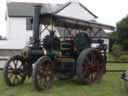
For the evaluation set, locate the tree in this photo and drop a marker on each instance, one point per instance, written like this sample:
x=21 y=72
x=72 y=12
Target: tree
x=122 y=33
x=113 y=39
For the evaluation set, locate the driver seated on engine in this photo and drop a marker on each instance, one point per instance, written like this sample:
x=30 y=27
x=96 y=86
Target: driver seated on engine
x=51 y=42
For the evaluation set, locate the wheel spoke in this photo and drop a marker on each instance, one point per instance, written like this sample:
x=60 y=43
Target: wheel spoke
x=14 y=64
x=10 y=76
x=10 y=67
x=21 y=75
x=17 y=80
x=21 y=66
x=14 y=80
x=10 y=70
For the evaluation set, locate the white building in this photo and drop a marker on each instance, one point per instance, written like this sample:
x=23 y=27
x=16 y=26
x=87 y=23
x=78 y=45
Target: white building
x=19 y=15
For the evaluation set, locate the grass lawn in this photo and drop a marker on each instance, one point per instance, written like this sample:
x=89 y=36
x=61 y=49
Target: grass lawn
x=111 y=85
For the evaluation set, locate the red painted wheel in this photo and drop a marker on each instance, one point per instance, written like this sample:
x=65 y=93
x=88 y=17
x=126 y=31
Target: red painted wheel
x=90 y=66
x=43 y=73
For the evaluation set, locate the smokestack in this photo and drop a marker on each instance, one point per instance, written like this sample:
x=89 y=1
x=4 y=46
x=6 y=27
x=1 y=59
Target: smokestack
x=36 y=25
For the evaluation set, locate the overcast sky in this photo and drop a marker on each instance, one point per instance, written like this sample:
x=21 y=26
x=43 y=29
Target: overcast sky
x=108 y=11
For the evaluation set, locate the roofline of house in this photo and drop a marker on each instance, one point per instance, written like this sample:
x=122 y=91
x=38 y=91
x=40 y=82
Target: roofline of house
x=7 y=49
x=88 y=10
x=80 y=5
x=66 y=5
x=19 y=16
x=3 y=39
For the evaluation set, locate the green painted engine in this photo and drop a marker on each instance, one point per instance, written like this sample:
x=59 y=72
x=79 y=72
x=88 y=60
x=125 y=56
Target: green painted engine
x=70 y=50
x=81 y=41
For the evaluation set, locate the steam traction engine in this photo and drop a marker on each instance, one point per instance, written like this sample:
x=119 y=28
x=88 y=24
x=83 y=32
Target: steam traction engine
x=64 y=57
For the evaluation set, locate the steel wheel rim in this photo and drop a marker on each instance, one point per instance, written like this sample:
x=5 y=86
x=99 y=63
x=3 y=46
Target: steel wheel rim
x=15 y=72
x=44 y=75
x=92 y=67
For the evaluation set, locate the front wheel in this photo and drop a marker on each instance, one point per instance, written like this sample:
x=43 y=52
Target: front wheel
x=42 y=73
x=14 y=71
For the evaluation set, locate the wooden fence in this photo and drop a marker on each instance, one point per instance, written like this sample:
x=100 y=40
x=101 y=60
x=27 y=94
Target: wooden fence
x=116 y=63
x=4 y=59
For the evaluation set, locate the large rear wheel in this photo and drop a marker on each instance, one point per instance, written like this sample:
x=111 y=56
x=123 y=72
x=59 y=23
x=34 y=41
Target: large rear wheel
x=90 y=66
x=14 y=71
x=43 y=73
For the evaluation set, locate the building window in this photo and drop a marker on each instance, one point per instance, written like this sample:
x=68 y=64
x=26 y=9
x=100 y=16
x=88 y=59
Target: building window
x=29 y=23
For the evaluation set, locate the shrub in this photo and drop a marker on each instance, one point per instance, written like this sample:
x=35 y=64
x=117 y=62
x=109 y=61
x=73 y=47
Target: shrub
x=110 y=57
x=116 y=51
